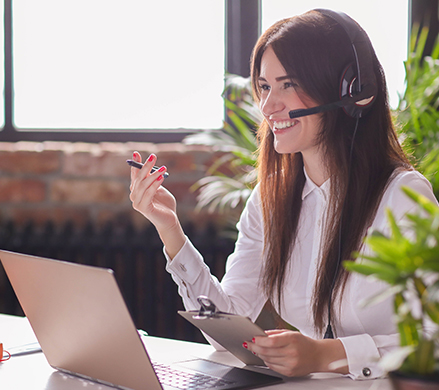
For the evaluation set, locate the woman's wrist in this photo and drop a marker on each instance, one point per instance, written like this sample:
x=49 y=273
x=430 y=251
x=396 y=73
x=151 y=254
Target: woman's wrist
x=332 y=356
x=173 y=238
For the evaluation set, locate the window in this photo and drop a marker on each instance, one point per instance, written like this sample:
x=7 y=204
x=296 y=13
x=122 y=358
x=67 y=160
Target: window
x=389 y=34
x=107 y=64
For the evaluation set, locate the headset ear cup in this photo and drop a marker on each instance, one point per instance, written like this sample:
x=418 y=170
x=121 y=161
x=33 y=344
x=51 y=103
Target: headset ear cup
x=349 y=88
x=348 y=83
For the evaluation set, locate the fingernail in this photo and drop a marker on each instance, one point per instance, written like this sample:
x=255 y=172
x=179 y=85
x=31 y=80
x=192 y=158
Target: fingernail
x=151 y=157
x=253 y=340
x=162 y=169
x=160 y=178
x=245 y=345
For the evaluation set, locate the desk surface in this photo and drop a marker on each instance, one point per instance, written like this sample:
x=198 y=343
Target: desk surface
x=32 y=372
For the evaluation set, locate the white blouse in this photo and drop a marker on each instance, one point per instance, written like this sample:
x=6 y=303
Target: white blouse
x=366 y=332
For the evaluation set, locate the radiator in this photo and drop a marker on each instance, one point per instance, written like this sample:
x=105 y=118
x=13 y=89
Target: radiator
x=136 y=257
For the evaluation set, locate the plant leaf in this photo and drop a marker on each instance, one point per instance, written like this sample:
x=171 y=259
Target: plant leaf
x=421 y=200
x=383 y=272
x=393 y=360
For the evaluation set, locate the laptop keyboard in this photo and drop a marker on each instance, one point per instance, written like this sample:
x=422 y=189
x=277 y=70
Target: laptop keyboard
x=186 y=380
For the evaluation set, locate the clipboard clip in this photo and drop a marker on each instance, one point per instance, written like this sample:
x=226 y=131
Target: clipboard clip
x=207 y=308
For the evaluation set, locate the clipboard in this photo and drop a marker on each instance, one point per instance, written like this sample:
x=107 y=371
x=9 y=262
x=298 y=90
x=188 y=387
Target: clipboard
x=228 y=330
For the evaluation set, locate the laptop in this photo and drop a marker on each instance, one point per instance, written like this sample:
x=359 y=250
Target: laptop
x=84 y=328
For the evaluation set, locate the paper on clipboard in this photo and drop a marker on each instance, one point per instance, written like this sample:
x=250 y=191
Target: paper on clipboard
x=228 y=330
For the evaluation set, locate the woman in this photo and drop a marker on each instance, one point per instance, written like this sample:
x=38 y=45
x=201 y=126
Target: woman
x=324 y=180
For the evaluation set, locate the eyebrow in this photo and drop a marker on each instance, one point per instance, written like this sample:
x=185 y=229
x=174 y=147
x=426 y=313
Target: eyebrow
x=282 y=78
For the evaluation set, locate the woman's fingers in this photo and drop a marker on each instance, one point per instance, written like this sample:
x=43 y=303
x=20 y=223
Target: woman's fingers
x=137 y=157
x=287 y=352
x=145 y=171
x=144 y=185
x=143 y=191
x=134 y=171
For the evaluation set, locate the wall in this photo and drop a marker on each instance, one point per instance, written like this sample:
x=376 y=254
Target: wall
x=70 y=201
x=80 y=182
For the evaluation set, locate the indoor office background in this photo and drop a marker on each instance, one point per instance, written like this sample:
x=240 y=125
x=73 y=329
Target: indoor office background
x=86 y=82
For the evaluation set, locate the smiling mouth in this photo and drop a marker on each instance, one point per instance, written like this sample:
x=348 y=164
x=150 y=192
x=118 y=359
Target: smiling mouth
x=285 y=124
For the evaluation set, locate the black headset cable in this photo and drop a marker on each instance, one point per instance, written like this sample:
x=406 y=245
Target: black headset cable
x=329 y=334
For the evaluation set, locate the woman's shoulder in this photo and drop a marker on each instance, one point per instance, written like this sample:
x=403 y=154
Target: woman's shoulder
x=253 y=203
x=254 y=198
x=397 y=201
x=408 y=175
x=413 y=179
x=250 y=222
x=410 y=178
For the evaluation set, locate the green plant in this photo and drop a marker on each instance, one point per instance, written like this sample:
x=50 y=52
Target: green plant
x=410 y=266
x=232 y=177
x=417 y=111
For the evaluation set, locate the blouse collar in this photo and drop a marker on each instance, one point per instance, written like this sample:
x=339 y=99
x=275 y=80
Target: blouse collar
x=310 y=186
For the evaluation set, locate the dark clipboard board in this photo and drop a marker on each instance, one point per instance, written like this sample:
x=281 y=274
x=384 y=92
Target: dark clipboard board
x=228 y=330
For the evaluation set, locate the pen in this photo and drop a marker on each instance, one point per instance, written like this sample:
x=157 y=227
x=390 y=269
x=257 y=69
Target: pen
x=138 y=165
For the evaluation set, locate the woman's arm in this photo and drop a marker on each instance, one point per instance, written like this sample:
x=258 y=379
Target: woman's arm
x=239 y=291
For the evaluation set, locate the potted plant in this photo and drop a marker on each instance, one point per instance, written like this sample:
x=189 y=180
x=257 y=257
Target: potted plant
x=408 y=261
x=417 y=112
x=232 y=177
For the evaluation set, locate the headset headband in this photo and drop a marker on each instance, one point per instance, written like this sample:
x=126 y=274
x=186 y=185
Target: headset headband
x=358 y=76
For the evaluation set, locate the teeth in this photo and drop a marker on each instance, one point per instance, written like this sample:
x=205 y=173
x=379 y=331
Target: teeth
x=284 y=124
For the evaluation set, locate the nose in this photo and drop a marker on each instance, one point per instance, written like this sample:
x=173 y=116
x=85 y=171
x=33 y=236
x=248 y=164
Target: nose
x=271 y=104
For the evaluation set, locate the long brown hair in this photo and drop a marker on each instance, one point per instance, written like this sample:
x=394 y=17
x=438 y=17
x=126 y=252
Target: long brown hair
x=315 y=50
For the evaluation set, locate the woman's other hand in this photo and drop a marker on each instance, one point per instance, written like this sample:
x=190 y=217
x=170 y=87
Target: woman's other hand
x=293 y=354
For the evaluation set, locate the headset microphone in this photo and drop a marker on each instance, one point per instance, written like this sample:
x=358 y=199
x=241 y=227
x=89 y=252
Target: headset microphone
x=315 y=110
x=358 y=100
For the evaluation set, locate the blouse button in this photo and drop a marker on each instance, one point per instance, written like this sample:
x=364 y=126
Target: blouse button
x=366 y=371
x=187 y=292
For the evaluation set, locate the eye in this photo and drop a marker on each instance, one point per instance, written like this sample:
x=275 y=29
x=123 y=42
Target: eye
x=290 y=84
x=264 y=87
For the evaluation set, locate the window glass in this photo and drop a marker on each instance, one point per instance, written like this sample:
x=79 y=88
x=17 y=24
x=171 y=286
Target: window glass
x=111 y=64
x=386 y=23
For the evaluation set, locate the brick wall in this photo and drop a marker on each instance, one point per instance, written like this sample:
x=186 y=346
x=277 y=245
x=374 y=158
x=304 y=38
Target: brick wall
x=81 y=182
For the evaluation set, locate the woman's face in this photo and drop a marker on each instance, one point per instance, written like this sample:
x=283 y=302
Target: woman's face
x=278 y=96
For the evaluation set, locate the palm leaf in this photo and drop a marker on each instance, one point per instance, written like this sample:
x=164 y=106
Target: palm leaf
x=232 y=176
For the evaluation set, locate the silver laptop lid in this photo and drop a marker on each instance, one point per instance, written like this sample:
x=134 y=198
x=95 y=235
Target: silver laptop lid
x=80 y=320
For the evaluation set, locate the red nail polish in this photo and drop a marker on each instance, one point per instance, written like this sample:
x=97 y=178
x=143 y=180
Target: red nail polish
x=151 y=157
x=244 y=344
x=162 y=169
x=253 y=340
x=160 y=178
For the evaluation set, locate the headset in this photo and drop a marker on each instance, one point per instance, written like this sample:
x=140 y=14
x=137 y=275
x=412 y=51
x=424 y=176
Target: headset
x=358 y=86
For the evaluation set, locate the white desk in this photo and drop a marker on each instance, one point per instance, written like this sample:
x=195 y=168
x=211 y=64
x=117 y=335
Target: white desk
x=32 y=372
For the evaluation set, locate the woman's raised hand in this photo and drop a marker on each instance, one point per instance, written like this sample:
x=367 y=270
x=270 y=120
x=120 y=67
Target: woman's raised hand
x=156 y=203
x=148 y=196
